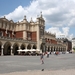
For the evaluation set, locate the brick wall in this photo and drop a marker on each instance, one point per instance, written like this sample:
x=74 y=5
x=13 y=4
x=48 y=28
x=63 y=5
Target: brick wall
x=34 y=36
x=19 y=34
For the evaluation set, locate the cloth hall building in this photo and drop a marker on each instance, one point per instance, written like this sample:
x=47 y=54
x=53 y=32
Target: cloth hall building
x=27 y=35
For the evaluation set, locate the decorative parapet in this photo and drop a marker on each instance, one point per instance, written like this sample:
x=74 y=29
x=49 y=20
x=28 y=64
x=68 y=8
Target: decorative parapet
x=48 y=33
x=16 y=39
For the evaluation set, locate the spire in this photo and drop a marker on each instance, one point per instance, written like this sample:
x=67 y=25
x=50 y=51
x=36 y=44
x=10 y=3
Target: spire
x=25 y=17
x=25 y=20
x=4 y=16
x=31 y=20
x=37 y=16
x=41 y=14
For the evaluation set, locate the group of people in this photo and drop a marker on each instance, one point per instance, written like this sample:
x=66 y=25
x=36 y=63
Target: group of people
x=42 y=56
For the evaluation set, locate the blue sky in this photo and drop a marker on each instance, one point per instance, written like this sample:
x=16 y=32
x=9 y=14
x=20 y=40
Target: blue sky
x=7 y=6
x=59 y=15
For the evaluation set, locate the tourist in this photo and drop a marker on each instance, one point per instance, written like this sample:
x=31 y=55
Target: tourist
x=42 y=58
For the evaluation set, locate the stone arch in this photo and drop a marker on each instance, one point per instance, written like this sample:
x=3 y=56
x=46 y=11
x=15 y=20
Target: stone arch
x=7 y=48
x=48 y=49
x=15 y=48
x=34 y=46
x=29 y=46
x=54 y=49
x=51 y=49
x=0 y=47
x=59 y=49
x=23 y=46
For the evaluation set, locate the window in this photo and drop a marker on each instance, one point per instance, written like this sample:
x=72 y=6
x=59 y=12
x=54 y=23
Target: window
x=29 y=35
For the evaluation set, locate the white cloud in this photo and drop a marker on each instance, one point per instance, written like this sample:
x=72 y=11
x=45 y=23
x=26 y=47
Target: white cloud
x=17 y=14
x=57 y=13
x=63 y=33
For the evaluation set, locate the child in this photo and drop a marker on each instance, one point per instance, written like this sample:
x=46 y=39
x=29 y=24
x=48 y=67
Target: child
x=42 y=56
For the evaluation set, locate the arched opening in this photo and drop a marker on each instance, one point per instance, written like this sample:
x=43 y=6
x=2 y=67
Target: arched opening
x=54 y=49
x=1 y=33
x=0 y=49
x=34 y=47
x=7 y=48
x=51 y=49
x=15 y=48
x=29 y=46
x=22 y=46
x=48 y=49
x=59 y=49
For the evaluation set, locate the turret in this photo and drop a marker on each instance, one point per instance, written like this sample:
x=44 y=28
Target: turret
x=24 y=20
x=31 y=22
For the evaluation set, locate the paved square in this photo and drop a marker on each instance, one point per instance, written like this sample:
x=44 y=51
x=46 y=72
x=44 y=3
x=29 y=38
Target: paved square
x=10 y=64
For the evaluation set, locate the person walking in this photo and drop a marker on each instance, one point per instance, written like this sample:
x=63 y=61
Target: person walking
x=48 y=54
x=42 y=58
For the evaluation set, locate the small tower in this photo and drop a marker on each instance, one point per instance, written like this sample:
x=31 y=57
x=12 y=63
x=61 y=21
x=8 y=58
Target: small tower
x=31 y=21
x=25 y=20
x=40 y=29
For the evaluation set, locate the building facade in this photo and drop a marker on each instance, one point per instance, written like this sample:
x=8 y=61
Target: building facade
x=73 y=44
x=26 y=35
x=67 y=42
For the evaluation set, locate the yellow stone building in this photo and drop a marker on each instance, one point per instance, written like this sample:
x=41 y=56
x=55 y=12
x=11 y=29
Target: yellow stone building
x=27 y=35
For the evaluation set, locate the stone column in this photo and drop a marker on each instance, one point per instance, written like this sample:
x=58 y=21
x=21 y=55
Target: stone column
x=53 y=49
x=19 y=49
x=2 y=50
x=11 y=50
x=50 y=48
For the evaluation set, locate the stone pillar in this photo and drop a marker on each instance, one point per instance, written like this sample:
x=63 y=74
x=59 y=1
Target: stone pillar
x=25 y=46
x=50 y=48
x=2 y=50
x=11 y=50
x=19 y=49
x=53 y=49
x=6 y=32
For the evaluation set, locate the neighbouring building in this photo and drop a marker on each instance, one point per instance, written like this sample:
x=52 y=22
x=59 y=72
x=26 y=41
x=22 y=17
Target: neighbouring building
x=67 y=42
x=73 y=44
x=27 y=35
